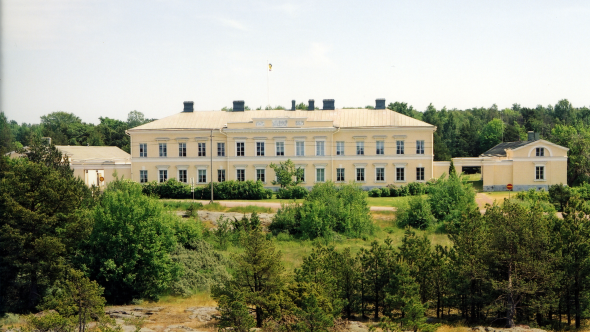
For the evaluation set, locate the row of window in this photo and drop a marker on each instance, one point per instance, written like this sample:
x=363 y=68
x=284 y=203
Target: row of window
x=280 y=148
x=320 y=176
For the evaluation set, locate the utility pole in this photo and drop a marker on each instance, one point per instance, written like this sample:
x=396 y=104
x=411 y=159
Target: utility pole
x=211 y=166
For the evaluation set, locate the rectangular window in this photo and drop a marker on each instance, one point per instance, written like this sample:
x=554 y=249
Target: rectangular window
x=240 y=149
x=260 y=174
x=360 y=148
x=320 y=174
x=360 y=174
x=163 y=175
x=202 y=149
x=400 y=174
x=143 y=150
x=380 y=174
x=220 y=175
x=340 y=174
x=419 y=173
x=260 y=149
x=182 y=149
x=280 y=148
x=202 y=176
x=143 y=176
x=301 y=174
x=241 y=174
x=340 y=148
x=540 y=173
x=221 y=149
x=300 y=148
x=380 y=147
x=319 y=148
x=419 y=147
x=400 y=147
x=540 y=152
x=163 y=150
x=182 y=175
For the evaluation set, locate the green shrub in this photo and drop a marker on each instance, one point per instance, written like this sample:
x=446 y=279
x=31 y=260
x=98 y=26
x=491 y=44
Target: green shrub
x=450 y=197
x=221 y=190
x=193 y=208
x=416 y=213
x=375 y=192
x=385 y=192
x=294 y=192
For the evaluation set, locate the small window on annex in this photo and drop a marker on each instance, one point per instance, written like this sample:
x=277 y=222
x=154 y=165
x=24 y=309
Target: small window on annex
x=540 y=152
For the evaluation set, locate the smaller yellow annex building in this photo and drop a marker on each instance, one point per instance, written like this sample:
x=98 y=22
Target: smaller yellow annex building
x=371 y=147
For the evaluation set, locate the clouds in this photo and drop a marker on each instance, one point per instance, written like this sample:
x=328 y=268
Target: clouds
x=235 y=24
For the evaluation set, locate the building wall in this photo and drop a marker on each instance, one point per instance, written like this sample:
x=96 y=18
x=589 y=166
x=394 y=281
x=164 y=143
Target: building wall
x=106 y=170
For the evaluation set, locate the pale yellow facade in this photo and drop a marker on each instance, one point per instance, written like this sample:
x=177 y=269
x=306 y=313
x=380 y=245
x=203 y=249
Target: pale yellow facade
x=370 y=147
x=97 y=165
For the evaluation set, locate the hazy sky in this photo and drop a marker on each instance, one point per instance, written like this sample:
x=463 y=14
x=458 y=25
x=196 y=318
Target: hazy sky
x=107 y=58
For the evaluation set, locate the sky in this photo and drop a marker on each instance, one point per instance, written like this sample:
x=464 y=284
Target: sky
x=107 y=58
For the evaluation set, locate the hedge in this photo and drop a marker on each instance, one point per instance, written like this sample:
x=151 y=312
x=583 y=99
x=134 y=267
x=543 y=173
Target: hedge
x=221 y=190
x=412 y=189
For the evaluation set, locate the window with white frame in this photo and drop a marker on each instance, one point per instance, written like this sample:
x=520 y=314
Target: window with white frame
x=182 y=149
x=420 y=147
x=320 y=148
x=182 y=175
x=399 y=147
x=340 y=148
x=539 y=172
x=300 y=148
x=143 y=150
x=260 y=149
x=419 y=173
x=202 y=149
x=221 y=149
x=220 y=175
x=163 y=175
x=360 y=175
x=240 y=149
x=400 y=174
x=163 y=149
x=261 y=174
x=280 y=147
x=540 y=152
x=320 y=174
x=143 y=176
x=240 y=174
x=380 y=147
x=360 y=148
x=340 y=174
x=380 y=174
x=202 y=176
x=301 y=174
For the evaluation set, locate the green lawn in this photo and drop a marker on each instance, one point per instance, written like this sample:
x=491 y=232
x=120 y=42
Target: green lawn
x=182 y=204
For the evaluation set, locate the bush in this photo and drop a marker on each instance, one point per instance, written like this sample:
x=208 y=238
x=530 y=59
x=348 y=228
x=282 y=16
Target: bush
x=375 y=192
x=384 y=192
x=221 y=190
x=294 y=192
x=450 y=197
x=416 y=214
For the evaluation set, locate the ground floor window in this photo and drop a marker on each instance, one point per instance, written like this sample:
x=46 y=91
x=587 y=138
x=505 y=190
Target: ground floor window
x=220 y=175
x=143 y=176
x=202 y=176
x=260 y=175
x=301 y=174
x=320 y=174
x=340 y=174
x=400 y=174
x=540 y=173
x=163 y=175
x=380 y=174
x=360 y=174
x=419 y=173
x=182 y=175
x=241 y=174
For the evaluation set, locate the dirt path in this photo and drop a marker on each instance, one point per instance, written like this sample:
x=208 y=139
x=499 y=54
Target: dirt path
x=482 y=199
x=275 y=205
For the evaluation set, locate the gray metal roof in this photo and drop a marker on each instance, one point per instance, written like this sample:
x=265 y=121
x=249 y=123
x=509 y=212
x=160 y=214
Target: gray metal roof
x=500 y=149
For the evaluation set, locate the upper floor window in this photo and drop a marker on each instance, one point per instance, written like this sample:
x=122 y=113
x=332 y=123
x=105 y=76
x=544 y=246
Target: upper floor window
x=221 y=150
x=202 y=149
x=340 y=148
x=380 y=147
x=182 y=149
x=399 y=147
x=240 y=149
x=143 y=150
x=260 y=149
x=420 y=147
x=280 y=148
x=319 y=148
x=360 y=148
x=540 y=152
x=300 y=148
x=163 y=150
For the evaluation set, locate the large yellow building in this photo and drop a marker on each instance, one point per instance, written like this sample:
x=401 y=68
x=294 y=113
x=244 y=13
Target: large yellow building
x=372 y=147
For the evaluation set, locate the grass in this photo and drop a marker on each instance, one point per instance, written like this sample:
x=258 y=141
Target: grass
x=388 y=201
x=182 y=205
